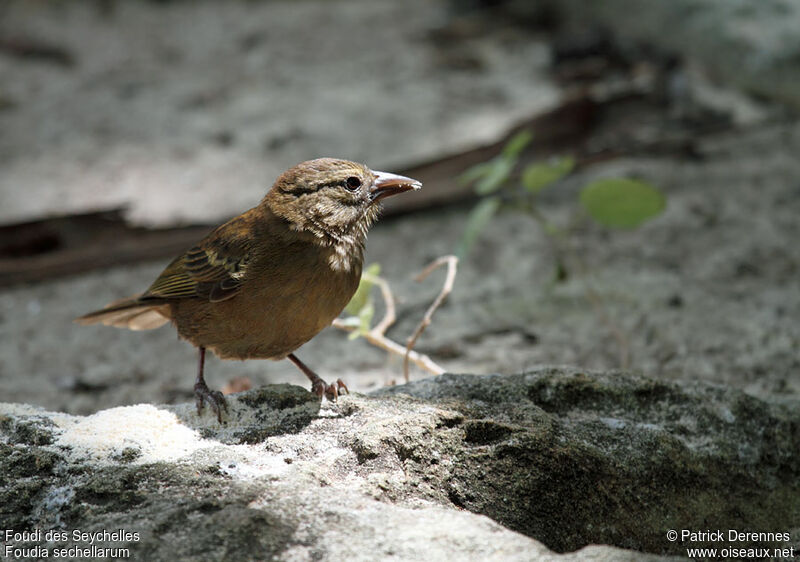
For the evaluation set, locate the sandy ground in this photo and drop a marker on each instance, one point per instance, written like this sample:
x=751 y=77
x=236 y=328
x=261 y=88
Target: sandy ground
x=707 y=291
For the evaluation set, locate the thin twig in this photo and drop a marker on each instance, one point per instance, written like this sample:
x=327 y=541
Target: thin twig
x=381 y=341
x=599 y=306
x=563 y=248
x=377 y=335
x=447 y=288
x=622 y=340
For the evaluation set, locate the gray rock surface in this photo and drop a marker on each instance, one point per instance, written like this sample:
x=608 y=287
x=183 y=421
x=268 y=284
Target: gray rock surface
x=561 y=457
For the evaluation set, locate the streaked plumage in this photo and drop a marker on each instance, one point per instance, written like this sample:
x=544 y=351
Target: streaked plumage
x=267 y=281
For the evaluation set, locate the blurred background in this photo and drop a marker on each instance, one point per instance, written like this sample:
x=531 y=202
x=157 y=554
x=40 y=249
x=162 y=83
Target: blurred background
x=129 y=129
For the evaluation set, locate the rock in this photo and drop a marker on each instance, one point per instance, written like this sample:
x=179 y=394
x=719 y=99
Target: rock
x=572 y=458
x=457 y=466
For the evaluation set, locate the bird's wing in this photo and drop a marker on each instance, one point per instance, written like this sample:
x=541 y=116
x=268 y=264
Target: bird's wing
x=213 y=269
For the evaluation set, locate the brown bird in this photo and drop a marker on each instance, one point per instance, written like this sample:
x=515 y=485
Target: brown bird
x=264 y=283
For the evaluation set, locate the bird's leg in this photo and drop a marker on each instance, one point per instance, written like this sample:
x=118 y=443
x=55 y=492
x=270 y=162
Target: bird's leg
x=203 y=394
x=319 y=386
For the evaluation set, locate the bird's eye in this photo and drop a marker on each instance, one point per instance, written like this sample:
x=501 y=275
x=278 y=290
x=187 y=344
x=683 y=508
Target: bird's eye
x=353 y=183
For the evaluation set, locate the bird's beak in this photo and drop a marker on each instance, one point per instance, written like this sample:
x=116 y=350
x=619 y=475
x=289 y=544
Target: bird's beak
x=386 y=185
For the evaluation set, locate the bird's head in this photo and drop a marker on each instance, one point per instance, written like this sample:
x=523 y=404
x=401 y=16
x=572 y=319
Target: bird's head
x=334 y=200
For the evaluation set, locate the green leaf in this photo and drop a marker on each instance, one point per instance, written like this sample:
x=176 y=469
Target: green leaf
x=490 y=176
x=479 y=217
x=496 y=176
x=372 y=271
x=361 y=296
x=622 y=202
x=517 y=144
x=365 y=316
x=475 y=172
x=538 y=176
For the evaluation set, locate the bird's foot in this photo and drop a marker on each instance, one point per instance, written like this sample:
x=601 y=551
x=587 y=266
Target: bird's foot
x=319 y=386
x=331 y=391
x=216 y=400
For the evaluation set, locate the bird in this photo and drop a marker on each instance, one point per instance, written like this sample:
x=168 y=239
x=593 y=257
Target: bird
x=267 y=281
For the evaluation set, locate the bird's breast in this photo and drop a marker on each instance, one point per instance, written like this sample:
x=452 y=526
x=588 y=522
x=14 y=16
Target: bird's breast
x=284 y=302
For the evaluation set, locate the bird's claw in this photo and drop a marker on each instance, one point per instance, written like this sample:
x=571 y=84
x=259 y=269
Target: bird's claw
x=216 y=400
x=331 y=391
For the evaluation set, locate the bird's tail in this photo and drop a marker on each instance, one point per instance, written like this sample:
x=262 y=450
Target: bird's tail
x=130 y=313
